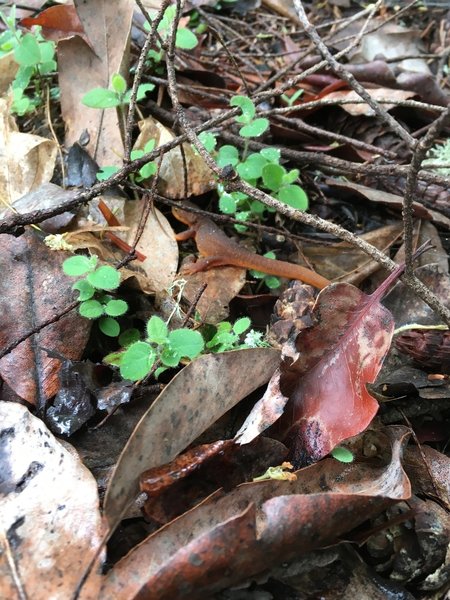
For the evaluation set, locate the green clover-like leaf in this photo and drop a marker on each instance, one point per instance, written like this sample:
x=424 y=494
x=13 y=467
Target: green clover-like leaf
x=104 y=278
x=109 y=326
x=254 y=128
x=101 y=98
x=137 y=361
x=186 y=342
x=79 y=265
x=246 y=105
x=116 y=308
x=157 y=330
x=91 y=309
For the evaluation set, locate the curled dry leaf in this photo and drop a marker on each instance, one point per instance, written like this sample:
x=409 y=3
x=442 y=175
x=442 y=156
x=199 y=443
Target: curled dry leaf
x=429 y=471
x=8 y=70
x=192 y=476
x=195 y=398
x=27 y=160
x=32 y=291
x=323 y=391
x=49 y=512
x=344 y=262
x=173 y=169
x=157 y=243
x=376 y=94
x=47 y=195
x=230 y=538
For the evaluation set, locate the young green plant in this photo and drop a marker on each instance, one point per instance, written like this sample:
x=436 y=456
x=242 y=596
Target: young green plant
x=35 y=57
x=93 y=288
x=166 y=347
x=261 y=169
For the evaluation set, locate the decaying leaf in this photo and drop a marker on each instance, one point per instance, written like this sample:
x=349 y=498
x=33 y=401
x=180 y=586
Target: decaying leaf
x=174 y=488
x=8 y=70
x=195 y=398
x=173 y=169
x=33 y=290
x=27 y=160
x=157 y=243
x=59 y=22
x=232 y=537
x=322 y=393
x=49 y=512
x=222 y=285
x=47 y=195
x=107 y=25
x=377 y=94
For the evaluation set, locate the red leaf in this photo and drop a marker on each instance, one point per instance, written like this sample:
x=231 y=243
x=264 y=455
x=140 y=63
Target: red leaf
x=323 y=389
x=326 y=384
x=58 y=23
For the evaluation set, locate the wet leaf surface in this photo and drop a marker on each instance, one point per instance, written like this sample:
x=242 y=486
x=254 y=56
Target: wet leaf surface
x=195 y=398
x=49 y=502
x=33 y=290
x=230 y=537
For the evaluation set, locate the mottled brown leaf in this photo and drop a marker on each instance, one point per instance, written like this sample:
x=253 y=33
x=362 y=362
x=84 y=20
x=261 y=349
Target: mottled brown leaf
x=195 y=398
x=107 y=25
x=33 y=289
x=274 y=521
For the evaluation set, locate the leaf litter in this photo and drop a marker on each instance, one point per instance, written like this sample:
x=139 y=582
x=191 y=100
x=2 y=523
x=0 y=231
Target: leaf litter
x=194 y=461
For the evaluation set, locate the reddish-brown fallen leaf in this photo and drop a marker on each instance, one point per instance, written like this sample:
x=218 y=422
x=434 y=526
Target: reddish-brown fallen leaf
x=229 y=538
x=429 y=470
x=59 y=22
x=325 y=385
x=32 y=291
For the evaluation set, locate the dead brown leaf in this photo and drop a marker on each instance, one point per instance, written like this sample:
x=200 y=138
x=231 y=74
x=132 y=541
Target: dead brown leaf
x=107 y=25
x=195 y=398
x=200 y=179
x=229 y=538
x=27 y=160
x=222 y=285
x=32 y=290
x=157 y=243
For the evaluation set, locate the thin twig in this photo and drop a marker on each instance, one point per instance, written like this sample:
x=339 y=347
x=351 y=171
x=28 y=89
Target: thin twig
x=412 y=181
x=140 y=69
x=342 y=73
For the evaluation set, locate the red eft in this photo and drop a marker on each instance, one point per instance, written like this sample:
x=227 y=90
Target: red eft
x=217 y=249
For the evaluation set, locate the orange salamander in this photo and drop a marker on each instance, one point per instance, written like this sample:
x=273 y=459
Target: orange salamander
x=217 y=249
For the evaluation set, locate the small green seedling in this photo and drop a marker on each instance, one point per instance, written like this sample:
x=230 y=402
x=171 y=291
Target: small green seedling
x=251 y=127
x=291 y=100
x=342 y=454
x=117 y=95
x=35 y=57
x=280 y=473
x=230 y=337
x=167 y=347
x=185 y=39
x=93 y=288
x=260 y=169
